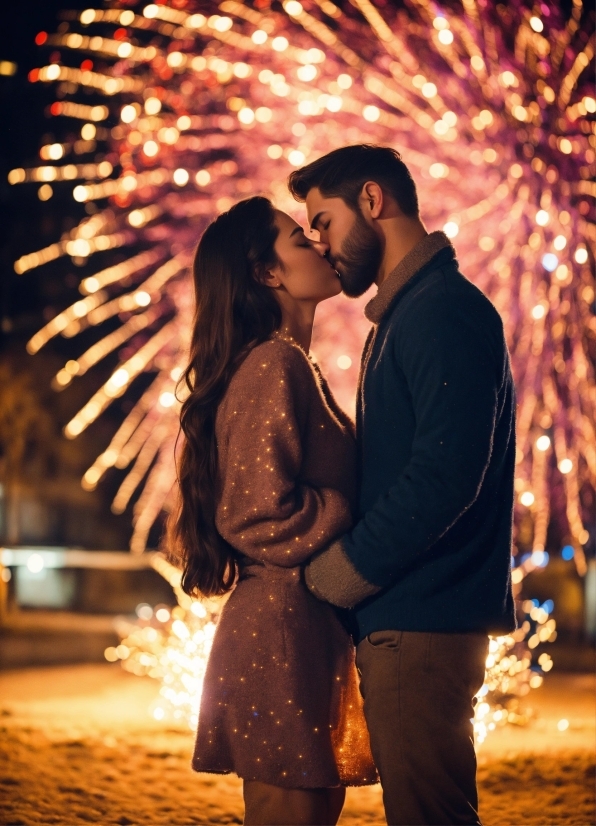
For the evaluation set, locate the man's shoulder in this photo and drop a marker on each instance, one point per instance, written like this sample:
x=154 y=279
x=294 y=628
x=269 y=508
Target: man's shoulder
x=444 y=294
x=444 y=309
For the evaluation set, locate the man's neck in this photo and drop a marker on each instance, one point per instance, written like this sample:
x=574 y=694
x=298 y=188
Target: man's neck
x=402 y=234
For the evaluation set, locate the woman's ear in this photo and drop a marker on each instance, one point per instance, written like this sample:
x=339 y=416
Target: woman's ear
x=268 y=277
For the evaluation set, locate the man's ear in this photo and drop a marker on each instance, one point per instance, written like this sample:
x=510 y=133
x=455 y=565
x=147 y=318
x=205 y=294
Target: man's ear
x=371 y=200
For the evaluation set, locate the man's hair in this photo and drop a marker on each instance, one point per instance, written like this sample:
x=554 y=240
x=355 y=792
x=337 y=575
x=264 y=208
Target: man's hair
x=343 y=172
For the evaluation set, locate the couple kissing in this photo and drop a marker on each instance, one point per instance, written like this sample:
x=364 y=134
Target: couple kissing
x=367 y=564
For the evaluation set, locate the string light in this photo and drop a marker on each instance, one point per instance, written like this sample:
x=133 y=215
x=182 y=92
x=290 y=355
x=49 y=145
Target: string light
x=510 y=670
x=194 y=111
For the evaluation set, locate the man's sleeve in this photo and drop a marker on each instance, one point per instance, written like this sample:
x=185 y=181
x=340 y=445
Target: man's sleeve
x=454 y=373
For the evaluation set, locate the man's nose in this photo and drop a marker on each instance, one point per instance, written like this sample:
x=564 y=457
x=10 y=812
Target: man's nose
x=321 y=247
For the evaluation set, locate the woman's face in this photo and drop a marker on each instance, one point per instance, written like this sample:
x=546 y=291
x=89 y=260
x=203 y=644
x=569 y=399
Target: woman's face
x=304 y=274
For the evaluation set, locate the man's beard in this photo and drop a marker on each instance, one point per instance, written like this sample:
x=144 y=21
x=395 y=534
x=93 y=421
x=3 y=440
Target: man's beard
x=359 y=259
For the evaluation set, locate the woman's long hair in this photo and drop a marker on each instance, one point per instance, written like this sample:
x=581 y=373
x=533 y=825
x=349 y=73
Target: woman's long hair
x=234 y=311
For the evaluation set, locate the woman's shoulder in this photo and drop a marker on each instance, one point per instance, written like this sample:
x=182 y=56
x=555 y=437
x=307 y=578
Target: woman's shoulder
x=275 y=357
x=268 y=368
x=274 y=376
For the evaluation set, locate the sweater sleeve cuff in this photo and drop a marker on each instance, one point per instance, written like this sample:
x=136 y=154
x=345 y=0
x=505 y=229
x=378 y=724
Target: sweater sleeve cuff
x=332 y=577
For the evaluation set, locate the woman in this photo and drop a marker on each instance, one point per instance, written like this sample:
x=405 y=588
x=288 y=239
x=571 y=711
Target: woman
x=267 y=478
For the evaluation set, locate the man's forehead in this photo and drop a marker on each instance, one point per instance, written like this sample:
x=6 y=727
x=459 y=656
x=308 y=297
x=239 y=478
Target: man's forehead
x=317 y=203
x=314 y=199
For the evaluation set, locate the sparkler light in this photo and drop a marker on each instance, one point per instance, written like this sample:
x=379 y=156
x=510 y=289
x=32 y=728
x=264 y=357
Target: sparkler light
x=173 y=647
x=193 y=106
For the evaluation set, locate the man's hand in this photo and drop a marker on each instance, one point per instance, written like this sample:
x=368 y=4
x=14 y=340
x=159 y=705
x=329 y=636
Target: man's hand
x=331 y=577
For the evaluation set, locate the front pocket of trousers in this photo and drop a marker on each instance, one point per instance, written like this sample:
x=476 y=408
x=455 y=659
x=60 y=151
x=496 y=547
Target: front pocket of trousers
x=384 y=640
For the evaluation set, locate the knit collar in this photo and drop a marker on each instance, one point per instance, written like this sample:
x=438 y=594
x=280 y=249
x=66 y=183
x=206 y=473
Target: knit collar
x=412 y=263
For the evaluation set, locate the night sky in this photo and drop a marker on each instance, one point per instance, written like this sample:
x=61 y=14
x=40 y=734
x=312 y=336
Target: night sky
x=53 y=465
x=28 y=222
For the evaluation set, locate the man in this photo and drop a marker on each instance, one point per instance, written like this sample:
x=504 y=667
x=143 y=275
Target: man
x=427 y=566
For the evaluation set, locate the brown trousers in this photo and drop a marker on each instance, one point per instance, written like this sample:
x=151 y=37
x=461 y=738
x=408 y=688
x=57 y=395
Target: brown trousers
x=418 y=691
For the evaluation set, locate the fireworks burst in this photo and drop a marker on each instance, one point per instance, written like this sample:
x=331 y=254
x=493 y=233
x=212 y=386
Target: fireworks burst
x=184 y=108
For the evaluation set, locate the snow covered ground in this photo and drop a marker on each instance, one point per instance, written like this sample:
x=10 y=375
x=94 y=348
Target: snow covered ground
x=78 y=746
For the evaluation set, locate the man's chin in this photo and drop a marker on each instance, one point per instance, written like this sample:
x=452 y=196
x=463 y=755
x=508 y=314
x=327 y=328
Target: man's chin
x=354 y=287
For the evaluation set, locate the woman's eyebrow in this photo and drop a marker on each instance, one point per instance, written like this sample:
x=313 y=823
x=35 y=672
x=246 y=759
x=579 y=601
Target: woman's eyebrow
x=295 y=230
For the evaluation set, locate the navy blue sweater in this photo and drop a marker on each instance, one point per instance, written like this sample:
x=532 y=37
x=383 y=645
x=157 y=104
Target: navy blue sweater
x=436 y=433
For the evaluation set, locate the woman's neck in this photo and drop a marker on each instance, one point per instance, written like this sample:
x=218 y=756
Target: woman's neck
x=297 y=323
